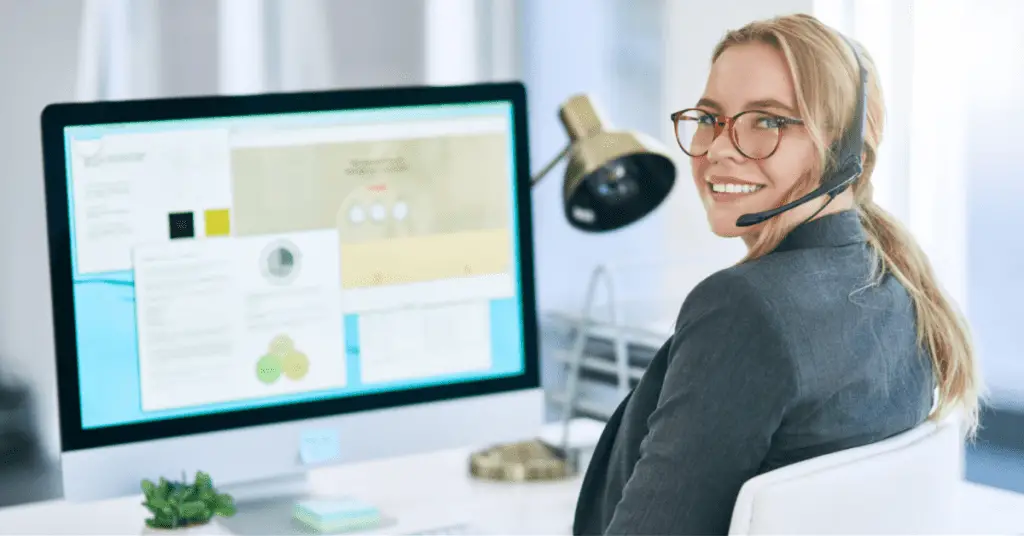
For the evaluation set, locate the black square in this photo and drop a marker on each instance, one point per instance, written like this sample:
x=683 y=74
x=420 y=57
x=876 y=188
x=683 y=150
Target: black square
x=182 y=224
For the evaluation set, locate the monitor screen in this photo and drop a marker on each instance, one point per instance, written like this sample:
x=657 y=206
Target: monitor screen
x=224 y=264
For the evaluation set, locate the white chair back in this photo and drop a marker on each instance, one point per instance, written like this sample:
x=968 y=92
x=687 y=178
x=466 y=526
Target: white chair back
x=907 y=484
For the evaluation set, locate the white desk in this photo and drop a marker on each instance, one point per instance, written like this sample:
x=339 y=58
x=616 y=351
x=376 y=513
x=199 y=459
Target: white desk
x=421 y=491
x=434 y=490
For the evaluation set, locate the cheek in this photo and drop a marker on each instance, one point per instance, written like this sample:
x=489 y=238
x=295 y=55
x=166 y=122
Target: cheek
x=698 y=167
x=785 y=168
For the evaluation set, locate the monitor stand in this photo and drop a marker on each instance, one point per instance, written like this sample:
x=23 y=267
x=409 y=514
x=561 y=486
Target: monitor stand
x=267 y=507
x=287 y=485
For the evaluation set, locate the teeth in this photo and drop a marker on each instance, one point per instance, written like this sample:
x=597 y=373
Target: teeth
x=735 y=188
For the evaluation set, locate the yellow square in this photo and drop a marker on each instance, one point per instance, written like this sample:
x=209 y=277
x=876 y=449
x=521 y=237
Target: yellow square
x=218 y=222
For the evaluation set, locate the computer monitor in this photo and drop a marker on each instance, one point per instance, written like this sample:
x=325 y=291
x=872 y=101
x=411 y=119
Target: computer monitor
x=254 y=285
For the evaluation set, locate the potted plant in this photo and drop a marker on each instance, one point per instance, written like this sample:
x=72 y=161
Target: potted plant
x=185 y=507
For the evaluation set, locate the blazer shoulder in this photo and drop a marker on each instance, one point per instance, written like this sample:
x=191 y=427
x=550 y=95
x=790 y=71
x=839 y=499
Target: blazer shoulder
x=738 y=293
x=784 y=273
x=757 y=280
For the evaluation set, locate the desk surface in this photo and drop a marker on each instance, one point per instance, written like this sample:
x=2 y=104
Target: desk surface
x=420 y=492
x=434 y=490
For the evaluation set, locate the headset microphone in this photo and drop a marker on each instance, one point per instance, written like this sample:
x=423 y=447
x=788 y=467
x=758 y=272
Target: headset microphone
x=848 y=152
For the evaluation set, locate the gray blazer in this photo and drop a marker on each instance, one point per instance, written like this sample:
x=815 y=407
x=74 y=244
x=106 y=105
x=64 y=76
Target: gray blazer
x=772 y=362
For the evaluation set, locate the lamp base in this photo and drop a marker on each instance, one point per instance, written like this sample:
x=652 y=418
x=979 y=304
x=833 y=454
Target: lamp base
x=532 y=460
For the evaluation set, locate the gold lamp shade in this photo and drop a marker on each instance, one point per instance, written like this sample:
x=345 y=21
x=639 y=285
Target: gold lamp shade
x=613 y=178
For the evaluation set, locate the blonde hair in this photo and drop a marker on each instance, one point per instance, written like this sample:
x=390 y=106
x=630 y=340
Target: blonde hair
x=826 y=78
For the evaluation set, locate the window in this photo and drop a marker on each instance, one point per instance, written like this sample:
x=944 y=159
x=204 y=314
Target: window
x=990 y=120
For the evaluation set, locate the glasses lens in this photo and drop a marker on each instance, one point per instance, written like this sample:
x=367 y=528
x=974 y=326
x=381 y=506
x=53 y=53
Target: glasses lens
x=695 y=131
x=757 y=134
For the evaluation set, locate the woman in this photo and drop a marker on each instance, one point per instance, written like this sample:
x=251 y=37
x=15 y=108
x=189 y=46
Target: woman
x=832 y=333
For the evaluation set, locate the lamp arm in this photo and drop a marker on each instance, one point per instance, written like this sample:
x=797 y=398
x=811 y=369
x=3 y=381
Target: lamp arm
x=551 y=165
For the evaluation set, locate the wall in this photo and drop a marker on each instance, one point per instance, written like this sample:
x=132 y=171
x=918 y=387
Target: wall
x=565 y=49
x=38 y=53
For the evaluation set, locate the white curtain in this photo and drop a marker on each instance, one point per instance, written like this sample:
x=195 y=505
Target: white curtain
x=274 y=45
x=305 y=59
x=119 y=50
x=151 y=48
x=921 y=176
x=261 y=46
x=242 y=45
x=451 y=48
x=938 y=174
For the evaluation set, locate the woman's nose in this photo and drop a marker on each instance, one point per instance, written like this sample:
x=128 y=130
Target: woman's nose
x=722 y=147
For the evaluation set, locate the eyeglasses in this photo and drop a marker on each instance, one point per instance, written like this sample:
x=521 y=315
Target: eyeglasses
x=755 y=134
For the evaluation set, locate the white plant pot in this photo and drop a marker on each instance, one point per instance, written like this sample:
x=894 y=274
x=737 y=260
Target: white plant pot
x=211 y=528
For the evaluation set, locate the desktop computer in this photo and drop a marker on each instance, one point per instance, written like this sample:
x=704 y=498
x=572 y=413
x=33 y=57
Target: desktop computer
x=255 y=285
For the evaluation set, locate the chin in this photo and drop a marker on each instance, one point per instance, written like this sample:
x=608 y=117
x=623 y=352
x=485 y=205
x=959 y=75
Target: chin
x=723 y=222
x=725 y=226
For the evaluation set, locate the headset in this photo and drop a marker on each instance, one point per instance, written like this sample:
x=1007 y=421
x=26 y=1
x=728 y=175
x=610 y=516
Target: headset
x=846 y=165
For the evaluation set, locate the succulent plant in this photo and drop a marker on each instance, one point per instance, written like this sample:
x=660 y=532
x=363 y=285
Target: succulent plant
x=181 y=504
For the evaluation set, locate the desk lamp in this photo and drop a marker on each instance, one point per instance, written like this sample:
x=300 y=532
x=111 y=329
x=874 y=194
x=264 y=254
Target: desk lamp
x=612 y=179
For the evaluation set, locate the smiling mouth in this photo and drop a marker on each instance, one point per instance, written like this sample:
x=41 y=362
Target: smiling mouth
x=734 y=188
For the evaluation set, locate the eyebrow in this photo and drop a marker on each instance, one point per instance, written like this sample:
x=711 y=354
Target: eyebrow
x=755 y=104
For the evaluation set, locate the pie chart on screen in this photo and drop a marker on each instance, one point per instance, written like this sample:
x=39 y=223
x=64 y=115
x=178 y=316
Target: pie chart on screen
x=280 y=262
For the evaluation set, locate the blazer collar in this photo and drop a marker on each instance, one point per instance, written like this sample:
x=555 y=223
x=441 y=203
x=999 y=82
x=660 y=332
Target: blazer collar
x=833 y=230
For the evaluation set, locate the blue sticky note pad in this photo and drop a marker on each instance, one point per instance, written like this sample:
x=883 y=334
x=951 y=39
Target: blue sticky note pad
x=335 y=509
x=319 y=446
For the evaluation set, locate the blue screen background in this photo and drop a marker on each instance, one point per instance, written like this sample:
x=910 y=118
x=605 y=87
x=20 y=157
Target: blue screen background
x=108 y=358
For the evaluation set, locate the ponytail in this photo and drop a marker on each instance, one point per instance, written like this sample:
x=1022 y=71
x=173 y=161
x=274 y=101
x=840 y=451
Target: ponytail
x=941 y=329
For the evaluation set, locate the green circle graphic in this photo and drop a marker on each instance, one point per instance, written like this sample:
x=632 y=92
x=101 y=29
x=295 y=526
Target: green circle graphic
x=268 y=368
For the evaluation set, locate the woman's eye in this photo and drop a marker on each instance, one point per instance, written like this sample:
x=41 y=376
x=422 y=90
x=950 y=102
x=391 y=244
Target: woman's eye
x=707 y=120
x=771 y=122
